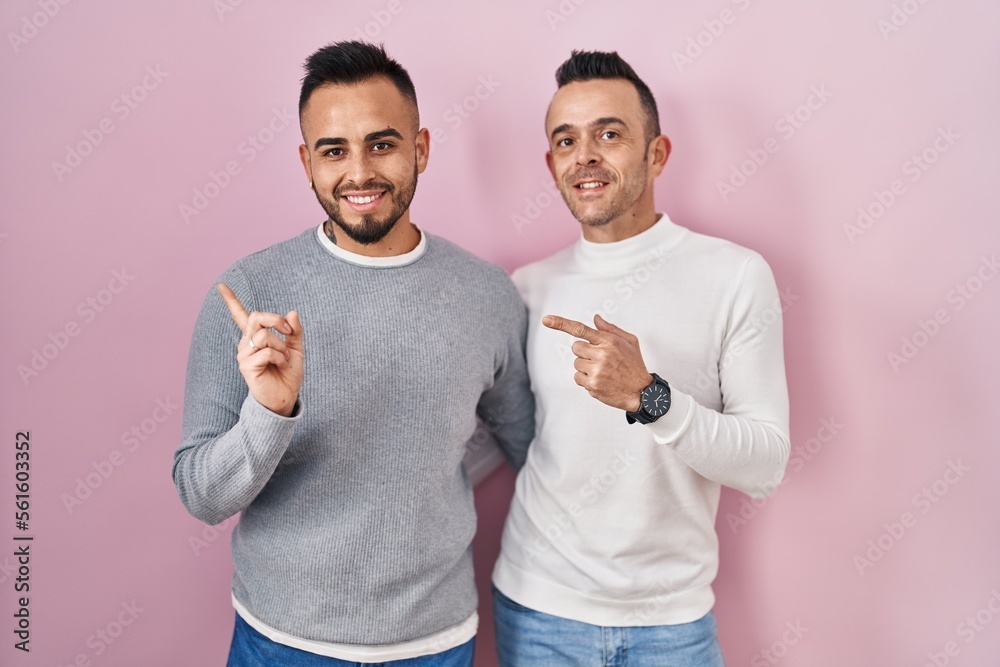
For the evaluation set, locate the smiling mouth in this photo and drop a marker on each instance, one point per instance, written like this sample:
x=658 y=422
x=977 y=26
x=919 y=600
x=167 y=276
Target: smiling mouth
x=590 y=185
x=364 y=201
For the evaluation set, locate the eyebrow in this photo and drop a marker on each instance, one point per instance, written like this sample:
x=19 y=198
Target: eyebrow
x=600 y=122
x=371 y=136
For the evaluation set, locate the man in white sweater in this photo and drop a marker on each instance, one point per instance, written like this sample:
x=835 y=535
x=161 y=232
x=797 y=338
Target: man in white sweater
x=610 y=550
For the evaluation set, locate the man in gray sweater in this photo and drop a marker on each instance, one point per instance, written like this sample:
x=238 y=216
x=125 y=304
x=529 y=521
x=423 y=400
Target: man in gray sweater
x=341 y=439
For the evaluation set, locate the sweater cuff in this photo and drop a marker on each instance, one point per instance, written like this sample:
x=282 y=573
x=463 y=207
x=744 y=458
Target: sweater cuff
x=255 y=411
x=266 y=434
x=668 y=428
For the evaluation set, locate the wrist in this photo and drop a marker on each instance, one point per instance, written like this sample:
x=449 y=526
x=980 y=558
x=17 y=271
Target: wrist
x=654 y=402
x=635 y=398
x=285 y=409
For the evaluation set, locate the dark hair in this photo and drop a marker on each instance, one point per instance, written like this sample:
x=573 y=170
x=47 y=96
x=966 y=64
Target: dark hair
x=589 y=65
x=353 y=62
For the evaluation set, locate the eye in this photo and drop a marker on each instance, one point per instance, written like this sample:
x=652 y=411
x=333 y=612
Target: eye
x=333 y=152
x=381 y=146
x=565 y=141
x=609 y=134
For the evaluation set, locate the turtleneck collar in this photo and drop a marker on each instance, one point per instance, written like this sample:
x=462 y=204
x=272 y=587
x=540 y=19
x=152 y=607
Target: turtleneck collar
x=624 y=254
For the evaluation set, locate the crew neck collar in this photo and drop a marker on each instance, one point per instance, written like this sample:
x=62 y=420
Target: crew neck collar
x=663 y=235
x=373 y=262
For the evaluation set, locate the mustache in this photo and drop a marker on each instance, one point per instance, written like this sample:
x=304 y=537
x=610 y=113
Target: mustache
x=350 y=186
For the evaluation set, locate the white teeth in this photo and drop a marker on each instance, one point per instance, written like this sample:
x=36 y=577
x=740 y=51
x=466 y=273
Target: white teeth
x=362 y=200
x=591 y=184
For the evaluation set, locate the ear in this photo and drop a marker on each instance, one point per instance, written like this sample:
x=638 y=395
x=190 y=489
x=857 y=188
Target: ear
x=306 y=164
x=422 y=144
x=659 y=152
x=548 y=163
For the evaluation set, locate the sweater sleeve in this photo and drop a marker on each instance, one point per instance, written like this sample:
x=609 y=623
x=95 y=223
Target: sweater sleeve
x=230 y=443
x=508 y=407
x=746 y=446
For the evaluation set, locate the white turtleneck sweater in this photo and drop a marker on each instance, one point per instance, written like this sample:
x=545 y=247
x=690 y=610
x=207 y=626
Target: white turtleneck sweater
x=614 y=523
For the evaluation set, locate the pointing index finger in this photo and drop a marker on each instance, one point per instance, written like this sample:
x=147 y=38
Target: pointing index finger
x=573 y=328
x=236 y=309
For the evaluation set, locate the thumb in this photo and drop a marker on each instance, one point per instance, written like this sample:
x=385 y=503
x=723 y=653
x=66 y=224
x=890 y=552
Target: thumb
x=294 y=339
x=603 y=325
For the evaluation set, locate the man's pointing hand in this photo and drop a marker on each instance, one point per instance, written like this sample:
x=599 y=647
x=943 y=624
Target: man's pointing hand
x=272 y=367
x=608 y=361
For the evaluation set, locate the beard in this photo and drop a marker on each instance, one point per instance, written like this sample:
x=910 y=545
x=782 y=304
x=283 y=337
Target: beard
x=630 y=191
x=371 y=229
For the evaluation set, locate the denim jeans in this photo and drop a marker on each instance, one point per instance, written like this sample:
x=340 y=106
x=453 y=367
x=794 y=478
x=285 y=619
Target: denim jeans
x=529 y=638
x=252 y=649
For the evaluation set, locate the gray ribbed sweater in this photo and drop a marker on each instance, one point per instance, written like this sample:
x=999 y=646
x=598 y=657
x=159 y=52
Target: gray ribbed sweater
x=357 y=517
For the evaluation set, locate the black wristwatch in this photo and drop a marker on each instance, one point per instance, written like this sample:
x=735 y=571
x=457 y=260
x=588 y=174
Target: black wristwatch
x=654 y=401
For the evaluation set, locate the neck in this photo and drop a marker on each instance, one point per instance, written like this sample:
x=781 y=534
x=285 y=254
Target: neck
x=638 y=219
x=401 y=239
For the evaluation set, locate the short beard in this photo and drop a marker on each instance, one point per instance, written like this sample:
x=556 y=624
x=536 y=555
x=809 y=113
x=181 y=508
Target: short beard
x=372 y=230
x=616 y=208
x=601 y=218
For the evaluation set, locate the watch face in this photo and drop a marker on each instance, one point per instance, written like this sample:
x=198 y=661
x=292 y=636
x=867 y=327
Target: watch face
x=655 y=400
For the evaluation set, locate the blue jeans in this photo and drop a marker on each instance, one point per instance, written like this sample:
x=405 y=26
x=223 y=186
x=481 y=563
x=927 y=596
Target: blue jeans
x=529 y=638
x=252 y=649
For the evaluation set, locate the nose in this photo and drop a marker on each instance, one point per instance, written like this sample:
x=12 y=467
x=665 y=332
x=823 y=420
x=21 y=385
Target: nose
x=587 y=153
x=360 y=169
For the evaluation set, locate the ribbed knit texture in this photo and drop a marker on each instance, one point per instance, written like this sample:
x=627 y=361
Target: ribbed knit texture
x=357 y=516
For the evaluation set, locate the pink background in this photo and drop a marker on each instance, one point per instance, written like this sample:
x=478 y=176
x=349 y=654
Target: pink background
x=793 y=561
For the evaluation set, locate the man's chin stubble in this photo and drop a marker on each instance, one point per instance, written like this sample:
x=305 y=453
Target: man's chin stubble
x=367 y=233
